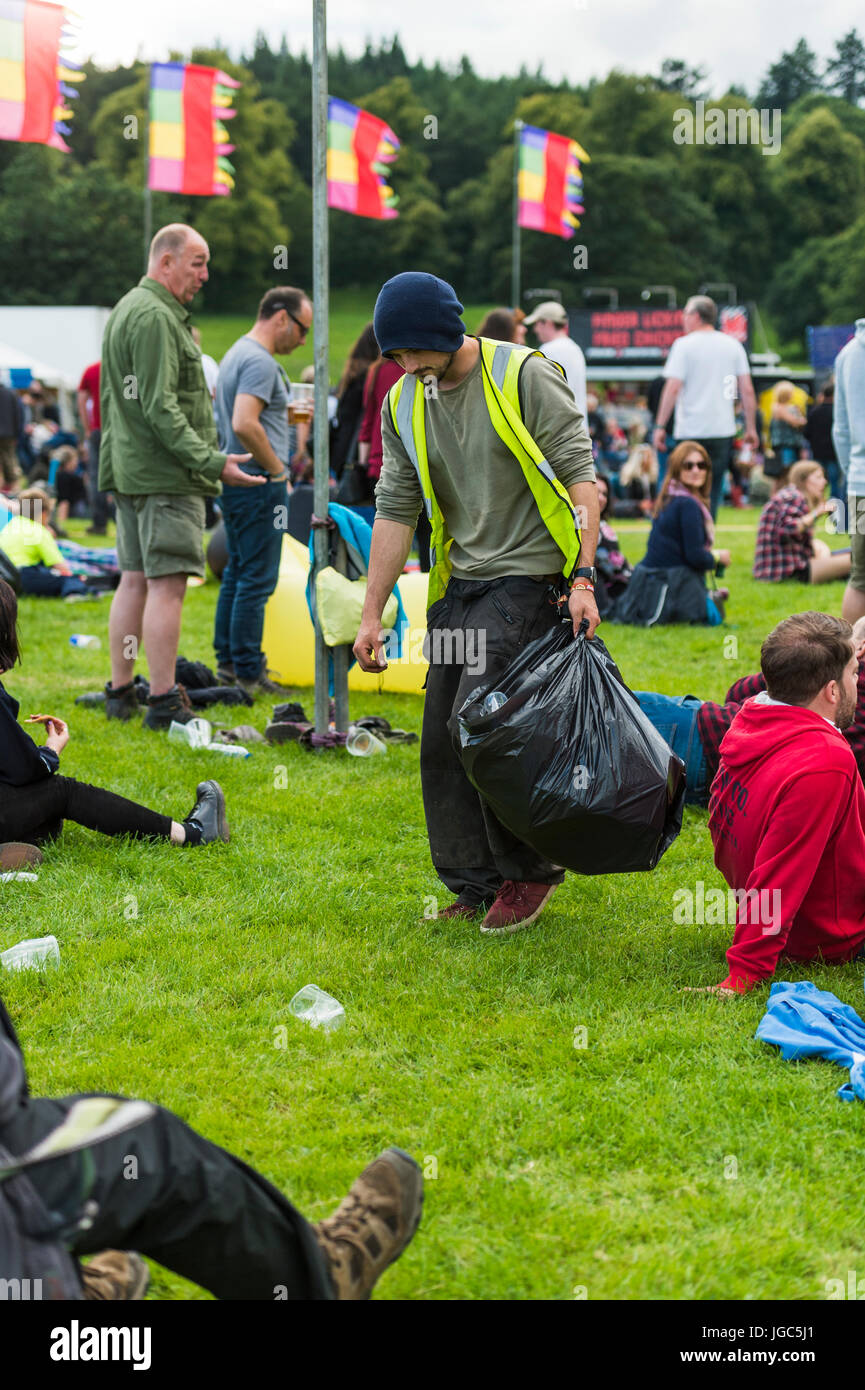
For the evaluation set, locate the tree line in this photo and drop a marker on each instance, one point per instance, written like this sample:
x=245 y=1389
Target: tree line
x=787 y=228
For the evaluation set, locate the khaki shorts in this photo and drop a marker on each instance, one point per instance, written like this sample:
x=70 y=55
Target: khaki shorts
x=856 y=527
x=160 y=533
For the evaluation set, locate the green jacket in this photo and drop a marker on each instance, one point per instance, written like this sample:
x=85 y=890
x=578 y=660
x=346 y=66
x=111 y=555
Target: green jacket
x=158 y=431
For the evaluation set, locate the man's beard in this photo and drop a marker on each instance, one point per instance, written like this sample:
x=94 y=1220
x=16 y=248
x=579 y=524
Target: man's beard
x=427 y=372
x=846 y=711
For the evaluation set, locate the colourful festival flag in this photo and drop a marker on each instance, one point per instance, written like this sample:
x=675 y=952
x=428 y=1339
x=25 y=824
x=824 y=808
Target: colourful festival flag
x=35 y=72
x=188 y=143
x=359 y=148
x=550 y=183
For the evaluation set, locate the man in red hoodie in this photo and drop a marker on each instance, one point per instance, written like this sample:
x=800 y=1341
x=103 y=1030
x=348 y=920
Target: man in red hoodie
x=787 y=806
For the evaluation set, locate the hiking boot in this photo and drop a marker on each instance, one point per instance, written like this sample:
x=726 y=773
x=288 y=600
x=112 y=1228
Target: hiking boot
x=16 y=855
x=121 y=702
x=115 y=1276
x=262 y=685
x=373 y=1224
x=225 y=674
x=172 y=707
x=207 y=816
x=517 y=905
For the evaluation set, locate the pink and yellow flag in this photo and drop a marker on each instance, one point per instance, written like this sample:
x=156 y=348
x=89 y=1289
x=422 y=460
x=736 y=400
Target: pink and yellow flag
x=35 y=73
x=359 y=148
x=550 y=183
x=188 y=143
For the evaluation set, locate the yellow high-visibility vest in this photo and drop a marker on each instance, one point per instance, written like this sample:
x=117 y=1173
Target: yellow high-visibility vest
x=500 y=366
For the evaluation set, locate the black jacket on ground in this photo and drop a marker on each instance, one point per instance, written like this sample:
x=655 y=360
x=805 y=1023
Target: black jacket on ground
x=21 y=761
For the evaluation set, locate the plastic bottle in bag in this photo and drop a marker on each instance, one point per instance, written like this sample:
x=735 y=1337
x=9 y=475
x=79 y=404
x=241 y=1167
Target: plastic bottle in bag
x=494 y=701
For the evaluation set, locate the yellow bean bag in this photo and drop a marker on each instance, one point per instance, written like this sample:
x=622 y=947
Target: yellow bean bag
x=289 y=637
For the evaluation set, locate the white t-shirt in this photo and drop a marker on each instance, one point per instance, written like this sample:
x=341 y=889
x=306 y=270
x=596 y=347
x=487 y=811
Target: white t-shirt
x=707 y=363
x=211 y=372
x=570 y=357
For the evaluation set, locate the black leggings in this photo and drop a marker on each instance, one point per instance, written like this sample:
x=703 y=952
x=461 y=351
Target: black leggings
x=36 y=812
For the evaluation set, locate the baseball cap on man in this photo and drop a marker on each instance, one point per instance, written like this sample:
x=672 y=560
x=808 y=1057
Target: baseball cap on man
x=416 y=310
x=551 y=310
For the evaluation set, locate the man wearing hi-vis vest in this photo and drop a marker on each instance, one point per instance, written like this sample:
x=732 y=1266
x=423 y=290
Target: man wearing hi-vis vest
x=485 y=436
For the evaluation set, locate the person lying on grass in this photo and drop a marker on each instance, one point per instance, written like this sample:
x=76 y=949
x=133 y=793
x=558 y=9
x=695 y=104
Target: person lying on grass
x=35 y=799
x=787 y=807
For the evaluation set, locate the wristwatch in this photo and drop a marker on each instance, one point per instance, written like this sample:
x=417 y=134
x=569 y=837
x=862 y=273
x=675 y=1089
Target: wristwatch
x=587 y=572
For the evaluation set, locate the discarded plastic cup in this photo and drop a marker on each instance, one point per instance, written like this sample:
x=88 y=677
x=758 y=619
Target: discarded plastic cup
x=197 y=733
x=361 y=743
x=494 y=701
x=317 y=1008
x=84 y=639
x=31 y=955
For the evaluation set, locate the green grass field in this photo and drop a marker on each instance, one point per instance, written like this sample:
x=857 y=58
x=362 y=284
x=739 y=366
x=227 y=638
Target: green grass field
x=672 y=1157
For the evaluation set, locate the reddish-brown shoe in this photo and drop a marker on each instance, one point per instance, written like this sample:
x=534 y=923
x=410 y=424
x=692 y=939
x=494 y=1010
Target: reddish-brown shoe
x=517 y=905
x=458 y=910
x=15 y=855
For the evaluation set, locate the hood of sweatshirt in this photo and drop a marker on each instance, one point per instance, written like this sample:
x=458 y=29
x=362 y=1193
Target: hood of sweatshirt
x=760 y=731
x=860 y=332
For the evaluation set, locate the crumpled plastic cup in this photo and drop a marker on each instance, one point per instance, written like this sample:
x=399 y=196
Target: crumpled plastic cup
x=31 y=955
x=362 y=743
x=317 y=1008
x=196 y=734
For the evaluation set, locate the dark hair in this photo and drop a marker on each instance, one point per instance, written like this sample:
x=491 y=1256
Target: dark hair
x=498 y=324
x=674 y=472
x=608 y=509
x=364 y=352
x=288 y=298
x=803 y=654
x=10 y=652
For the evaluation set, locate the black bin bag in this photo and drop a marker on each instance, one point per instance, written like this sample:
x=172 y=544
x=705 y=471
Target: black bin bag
x=570 y=764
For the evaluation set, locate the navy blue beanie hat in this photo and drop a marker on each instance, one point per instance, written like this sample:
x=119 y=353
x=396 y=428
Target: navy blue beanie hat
x=415 y=310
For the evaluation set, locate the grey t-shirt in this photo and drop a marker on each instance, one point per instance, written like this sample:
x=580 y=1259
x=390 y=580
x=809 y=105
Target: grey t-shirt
x=487 y=504
x=248 y=369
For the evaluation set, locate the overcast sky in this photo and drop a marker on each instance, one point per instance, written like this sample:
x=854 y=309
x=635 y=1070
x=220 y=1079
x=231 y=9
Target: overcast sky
x=577 y=39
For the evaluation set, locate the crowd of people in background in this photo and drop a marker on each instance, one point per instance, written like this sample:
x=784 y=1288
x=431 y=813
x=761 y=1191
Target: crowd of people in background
x=751 y=458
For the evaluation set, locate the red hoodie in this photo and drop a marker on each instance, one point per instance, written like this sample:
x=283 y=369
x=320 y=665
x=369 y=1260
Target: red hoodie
x=787 y=819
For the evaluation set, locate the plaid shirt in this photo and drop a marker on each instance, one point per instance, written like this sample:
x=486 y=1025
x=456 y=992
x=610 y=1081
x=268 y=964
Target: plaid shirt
x=713 y=720
x=781 y=549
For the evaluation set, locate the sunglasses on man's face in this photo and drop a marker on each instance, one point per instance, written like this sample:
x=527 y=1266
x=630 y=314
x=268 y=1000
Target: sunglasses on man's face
x=304 y=327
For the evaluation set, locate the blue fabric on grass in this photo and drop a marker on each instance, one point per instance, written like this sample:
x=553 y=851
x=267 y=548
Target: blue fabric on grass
x=804 y=1021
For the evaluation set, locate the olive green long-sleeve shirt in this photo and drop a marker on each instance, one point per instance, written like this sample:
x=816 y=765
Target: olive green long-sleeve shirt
x=488 y=506
x=158 y=431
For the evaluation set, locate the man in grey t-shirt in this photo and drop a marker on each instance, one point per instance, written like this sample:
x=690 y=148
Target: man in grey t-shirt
x=252 y=410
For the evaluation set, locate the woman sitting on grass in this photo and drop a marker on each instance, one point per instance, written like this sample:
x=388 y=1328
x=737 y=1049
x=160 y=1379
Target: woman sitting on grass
x=786 y=545
x=669 y=583
x=35 y=799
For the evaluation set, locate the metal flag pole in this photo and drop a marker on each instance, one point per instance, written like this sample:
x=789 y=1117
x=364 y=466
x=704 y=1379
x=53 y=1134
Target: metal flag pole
x=515 y=248
x=320 y=292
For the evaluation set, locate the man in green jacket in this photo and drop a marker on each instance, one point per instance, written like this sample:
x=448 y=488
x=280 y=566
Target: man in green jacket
x=159 y=458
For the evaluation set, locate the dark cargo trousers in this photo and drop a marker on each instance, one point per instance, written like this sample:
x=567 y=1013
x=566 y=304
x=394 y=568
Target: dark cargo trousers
x=165 y=1191
x=473 y=633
